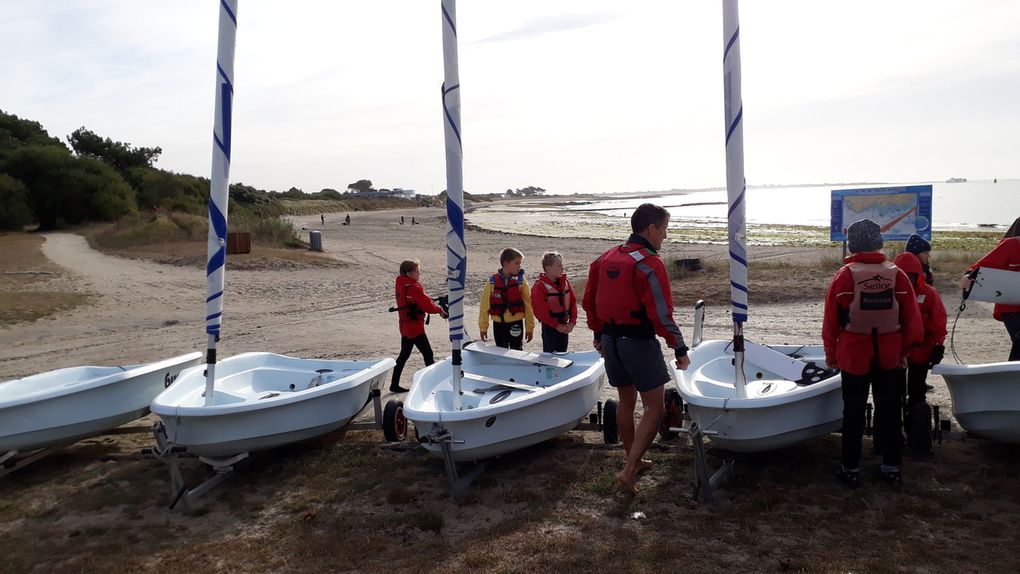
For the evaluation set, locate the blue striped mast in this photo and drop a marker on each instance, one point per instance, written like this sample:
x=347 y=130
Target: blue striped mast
x=736 y=186
x=219 y=188
x=456 y=249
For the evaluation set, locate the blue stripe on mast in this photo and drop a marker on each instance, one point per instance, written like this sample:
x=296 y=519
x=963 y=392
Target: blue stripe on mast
x=736 y=122
x=733 y=40
x=229 y=12
x=446 y=16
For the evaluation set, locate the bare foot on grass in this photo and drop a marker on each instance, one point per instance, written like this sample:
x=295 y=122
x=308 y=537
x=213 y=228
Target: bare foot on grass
x=627 y=483
x=644 y=465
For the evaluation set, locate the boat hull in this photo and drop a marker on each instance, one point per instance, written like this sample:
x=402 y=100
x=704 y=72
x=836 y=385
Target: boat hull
x=255 y=407
x=986 y=398
x=776 y=413
x=490 y=426
x=66 y=405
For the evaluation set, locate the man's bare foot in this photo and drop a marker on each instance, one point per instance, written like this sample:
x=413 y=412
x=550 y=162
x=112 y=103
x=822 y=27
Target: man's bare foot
x=629 y=484
x=644 y=464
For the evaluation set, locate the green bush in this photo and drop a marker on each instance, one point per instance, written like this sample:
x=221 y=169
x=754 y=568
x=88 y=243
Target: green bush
x=14 y=210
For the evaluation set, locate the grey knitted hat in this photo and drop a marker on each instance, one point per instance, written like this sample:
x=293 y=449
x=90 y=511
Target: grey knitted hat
x=863 y=235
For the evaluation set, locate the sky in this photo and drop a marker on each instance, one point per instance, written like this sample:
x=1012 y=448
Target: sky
x=575 y=96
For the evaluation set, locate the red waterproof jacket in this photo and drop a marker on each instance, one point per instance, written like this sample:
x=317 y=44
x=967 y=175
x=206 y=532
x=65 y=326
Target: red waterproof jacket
x=854 y=353
x=648 y=291
x=933 y=312
x=414 y=304
x=1006 y=255
x=553 y=302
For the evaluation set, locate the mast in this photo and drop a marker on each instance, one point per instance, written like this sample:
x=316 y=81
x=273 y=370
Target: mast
x=456 y=249
x=736 y=187
x=219 y=188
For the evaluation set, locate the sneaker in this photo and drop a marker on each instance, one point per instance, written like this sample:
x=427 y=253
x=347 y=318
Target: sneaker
x=397 y=389
x=849 y=478
x=891 y=476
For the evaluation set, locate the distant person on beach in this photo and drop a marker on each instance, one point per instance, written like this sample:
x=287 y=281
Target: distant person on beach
x=871 y=321
x=413 y=304
x=554 y=303
x=322 y=216
x=628 y=300
x=930 y=350
x=347 y=219
x=919 y=246
x=401 y=220
x=414 y=221
x=506 y=301
x=1006 y=255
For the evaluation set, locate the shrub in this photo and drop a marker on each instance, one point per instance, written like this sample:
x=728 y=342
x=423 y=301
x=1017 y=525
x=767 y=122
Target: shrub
x=14 y=210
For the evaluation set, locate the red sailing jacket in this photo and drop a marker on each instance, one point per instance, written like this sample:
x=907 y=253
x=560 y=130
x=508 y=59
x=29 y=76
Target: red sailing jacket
x=933 y=312
x=415 y=305
x=1006 y=255
x=628 y=285
x=553 y=302
x=854 y=353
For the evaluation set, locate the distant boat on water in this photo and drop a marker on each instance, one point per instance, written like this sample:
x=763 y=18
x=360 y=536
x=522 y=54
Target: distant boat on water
x=996 y=180
x=957 y=180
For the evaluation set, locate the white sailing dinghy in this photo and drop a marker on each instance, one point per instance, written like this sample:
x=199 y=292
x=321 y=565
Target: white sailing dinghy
x=509 y=399
x=483 y=401
x=986 y=397
x=66 y=405
x=252 y=401
x=748 y=397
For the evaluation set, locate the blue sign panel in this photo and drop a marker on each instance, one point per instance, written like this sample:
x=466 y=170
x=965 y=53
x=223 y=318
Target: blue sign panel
x=899 y=211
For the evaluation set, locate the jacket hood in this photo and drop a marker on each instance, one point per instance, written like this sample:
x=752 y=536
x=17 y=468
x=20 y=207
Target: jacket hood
x=909 y=263
x=403 y=280
x=866 y=257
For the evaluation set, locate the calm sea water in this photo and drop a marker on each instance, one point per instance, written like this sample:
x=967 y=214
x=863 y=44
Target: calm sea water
x=966 y=205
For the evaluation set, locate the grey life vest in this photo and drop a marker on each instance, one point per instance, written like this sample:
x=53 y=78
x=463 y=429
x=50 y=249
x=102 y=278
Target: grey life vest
x=874 y=307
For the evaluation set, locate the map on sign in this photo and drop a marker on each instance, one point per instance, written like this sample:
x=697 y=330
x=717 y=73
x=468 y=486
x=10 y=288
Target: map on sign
x=899 y=211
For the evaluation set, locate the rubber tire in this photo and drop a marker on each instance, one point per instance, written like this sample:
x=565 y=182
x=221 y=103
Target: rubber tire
x=673 y=415
x=394 y=424
x=610 y=426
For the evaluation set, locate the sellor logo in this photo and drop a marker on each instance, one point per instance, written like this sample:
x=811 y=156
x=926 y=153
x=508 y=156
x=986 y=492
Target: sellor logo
x=877 y=293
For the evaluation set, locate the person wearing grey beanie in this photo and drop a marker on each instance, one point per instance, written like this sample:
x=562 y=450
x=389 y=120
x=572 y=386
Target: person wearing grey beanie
x=871 y=320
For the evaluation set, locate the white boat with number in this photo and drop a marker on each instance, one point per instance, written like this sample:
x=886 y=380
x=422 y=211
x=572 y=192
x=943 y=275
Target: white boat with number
x=986 y=398
x=776 y=412
x=62 y=406
x=263 y=400
x=510 y=399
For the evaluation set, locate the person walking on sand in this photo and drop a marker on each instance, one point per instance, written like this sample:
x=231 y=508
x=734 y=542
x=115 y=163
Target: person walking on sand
x=413 y=304
x=347 y=219
x=506 y=300
x=629 y=301
x=1006 y=255
x=554 y=303
x=401 y=220
x=871 y=320
x=322 y=216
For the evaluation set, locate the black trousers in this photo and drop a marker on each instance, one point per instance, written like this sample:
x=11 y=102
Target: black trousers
x=406 y=344
x=888 y=404
x=553 y=341
x=1012 y=322
x=509 y=335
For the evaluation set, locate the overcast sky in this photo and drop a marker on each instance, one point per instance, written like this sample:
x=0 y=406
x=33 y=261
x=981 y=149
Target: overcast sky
x=572 y=96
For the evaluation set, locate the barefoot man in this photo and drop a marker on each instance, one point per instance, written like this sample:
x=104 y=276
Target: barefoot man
x=628 y=301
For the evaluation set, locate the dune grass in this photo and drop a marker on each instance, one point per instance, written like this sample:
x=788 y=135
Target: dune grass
x=30 y=286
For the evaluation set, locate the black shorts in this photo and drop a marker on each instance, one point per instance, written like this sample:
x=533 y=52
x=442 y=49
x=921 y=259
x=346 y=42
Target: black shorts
x=635 y=362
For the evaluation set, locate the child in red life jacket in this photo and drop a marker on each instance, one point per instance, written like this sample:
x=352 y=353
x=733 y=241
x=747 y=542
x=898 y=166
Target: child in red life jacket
x=555 y=304
x=413 y=304
x=506 y=300
x=930 y=350
x=870 y=324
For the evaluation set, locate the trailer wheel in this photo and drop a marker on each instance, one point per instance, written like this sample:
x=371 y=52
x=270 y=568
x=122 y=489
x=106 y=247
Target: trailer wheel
x=610 y=428
x=394 y=424
x=673 y=416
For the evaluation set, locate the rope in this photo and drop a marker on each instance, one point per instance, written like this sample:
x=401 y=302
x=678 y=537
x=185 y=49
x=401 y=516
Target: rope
x=952 y=333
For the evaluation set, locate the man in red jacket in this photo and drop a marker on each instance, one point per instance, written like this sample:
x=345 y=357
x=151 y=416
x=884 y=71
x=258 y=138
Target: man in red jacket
x=1006 y=255
x=628 y=300
x=871 y=322
x=412 y=305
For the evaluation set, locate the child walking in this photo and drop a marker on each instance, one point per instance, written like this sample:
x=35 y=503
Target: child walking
x=554 y=303
x=506 y=300
x=413 y=304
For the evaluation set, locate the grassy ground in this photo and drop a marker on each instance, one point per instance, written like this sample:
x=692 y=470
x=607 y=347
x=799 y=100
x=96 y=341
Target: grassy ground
x=29 y=286
x=349 y=503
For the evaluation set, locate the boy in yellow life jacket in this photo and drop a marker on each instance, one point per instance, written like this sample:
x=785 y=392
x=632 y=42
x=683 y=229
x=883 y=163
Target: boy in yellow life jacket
x=506 y=301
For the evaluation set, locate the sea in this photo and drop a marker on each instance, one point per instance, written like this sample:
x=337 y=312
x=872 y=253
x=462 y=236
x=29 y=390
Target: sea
x=984 y=204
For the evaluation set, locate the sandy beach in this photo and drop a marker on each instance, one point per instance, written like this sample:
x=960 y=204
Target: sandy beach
x=143 y=311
